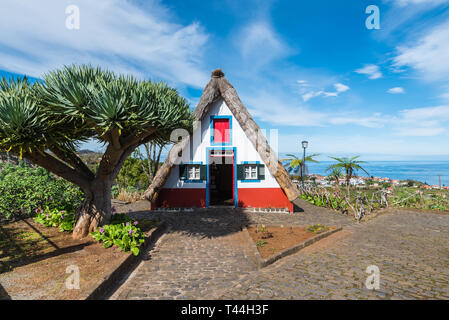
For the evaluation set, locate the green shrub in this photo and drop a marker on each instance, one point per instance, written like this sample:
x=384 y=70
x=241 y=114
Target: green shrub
x=24 y=189
x=122 y=232
x=317 y=228
x=261 y=243
x=115 y=191
x=55 y=218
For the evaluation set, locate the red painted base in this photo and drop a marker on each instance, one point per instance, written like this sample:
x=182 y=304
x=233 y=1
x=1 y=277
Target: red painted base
x=248 y=197
x=264 y=198
x=181 y=198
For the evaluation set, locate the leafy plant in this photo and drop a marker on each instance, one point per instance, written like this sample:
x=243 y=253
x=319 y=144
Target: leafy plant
x=23 y=189
x=261 y=243
x=55 y=218
x=317 y=228
x=123 y=232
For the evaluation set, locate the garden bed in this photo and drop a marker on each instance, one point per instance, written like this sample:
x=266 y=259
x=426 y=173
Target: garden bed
x=34 y=261
x=274 y=242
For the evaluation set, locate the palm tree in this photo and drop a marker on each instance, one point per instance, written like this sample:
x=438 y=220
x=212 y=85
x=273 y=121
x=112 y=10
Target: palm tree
x=336 y=175
x=350 y=165
x=294 y=163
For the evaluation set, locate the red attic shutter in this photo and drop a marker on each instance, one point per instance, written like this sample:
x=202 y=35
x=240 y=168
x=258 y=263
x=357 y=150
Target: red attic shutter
x=221 y=130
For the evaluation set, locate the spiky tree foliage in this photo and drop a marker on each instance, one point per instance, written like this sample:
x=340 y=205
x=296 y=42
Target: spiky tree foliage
x=294 y=163
x=336 y=174
x=350 y=165
x=44 y=122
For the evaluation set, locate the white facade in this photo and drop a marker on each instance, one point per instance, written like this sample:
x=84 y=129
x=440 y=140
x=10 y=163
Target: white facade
x=200 y=143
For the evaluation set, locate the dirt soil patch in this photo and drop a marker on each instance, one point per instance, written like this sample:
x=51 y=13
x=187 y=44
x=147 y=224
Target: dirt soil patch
x=277 y=239
x=34 y=260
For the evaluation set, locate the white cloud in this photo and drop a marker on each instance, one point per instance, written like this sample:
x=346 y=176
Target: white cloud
x=307 y=95
x=260 y=44
x=396 y=90
x=430 y=121
x=371 y=70
x=341 y=87
x=429 y=55
x=403 y=3
x=277 y=109
x=311 y=94
x=114 y=34
x=281 y=110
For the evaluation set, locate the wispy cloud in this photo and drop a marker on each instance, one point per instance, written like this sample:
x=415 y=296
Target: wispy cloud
x=371 y=70
x=307 y=93
x=429 y=55
x=403 y=3
x=114 y=34
x=259 y=44
x=396 y=90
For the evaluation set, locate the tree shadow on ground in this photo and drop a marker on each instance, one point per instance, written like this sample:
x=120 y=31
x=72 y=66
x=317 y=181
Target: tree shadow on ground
x=208 y=223
x=4 y=294
x=19 y=247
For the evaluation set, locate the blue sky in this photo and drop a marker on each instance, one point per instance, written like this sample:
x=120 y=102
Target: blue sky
x=310 y=69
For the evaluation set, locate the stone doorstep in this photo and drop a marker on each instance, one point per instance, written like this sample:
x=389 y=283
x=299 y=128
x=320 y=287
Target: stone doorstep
x=262 y=263
x=108 y=282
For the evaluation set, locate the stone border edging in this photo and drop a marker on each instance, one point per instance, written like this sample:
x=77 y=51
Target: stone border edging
x=109 y=281
x=262 y=263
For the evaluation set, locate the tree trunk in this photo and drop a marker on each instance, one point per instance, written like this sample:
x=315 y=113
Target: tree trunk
x=95 y=209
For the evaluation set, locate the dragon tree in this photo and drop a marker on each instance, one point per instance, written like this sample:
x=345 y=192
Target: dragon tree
x=46 y=121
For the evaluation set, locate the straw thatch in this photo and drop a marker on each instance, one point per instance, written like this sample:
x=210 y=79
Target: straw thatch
x=219 y=87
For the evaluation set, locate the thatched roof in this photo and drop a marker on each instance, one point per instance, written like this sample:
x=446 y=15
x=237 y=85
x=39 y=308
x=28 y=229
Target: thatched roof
x=219 y=87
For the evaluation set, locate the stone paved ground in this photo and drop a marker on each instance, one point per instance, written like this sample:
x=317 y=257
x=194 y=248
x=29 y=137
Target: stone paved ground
x=205 y=257
x=202 y=255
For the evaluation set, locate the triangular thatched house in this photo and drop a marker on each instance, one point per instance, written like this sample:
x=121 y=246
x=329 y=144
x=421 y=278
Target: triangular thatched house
x=227 y=161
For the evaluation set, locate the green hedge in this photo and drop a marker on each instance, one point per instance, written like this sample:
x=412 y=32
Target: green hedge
x=23 y=189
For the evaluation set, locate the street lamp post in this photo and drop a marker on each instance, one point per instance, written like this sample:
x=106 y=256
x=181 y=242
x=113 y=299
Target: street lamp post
x=304 y=146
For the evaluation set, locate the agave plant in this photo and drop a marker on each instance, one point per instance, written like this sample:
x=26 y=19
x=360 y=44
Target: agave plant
x=44 y=122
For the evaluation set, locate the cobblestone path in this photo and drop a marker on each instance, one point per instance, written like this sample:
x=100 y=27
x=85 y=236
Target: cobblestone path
x=198 y=258
x=204 y=256
x=410 y=249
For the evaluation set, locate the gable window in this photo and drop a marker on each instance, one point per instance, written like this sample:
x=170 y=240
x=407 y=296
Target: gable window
x=221 y=130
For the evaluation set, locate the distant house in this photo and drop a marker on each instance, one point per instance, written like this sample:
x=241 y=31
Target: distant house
x=227 y=161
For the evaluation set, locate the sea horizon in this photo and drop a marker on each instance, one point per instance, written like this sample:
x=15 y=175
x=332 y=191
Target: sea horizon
x=426 y=171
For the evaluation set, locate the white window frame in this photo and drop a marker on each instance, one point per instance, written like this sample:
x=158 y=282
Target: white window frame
x=193 y=172
x=250 y=171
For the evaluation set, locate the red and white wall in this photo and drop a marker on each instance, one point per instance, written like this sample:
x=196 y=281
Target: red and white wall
x=261 y=194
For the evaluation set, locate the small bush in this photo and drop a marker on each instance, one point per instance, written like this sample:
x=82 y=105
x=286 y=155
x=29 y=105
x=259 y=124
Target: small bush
x=317 y=228
x=127 y=196
x=114 y=191
x=55 y=218
x=23 y=189
x=261 y=243
x=122 y=232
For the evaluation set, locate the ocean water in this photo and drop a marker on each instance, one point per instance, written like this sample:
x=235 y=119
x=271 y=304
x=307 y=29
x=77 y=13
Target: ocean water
x=424 y=171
